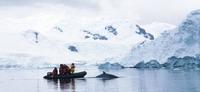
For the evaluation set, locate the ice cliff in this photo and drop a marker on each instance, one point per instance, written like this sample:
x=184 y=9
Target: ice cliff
x=179 y=42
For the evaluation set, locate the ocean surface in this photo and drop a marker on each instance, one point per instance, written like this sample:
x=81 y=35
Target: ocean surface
x=131 y=80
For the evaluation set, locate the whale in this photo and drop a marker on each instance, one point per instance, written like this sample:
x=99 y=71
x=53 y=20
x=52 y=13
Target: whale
x=105 y=75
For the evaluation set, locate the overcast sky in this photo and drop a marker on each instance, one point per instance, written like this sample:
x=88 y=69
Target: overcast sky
x=142 y=11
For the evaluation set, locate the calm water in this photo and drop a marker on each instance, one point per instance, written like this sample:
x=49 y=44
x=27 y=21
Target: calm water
x=132 y=80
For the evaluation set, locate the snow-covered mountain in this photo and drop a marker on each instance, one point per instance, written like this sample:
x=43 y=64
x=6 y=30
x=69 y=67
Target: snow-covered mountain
x=156 y=28
x=181 y=41
x=69 y=41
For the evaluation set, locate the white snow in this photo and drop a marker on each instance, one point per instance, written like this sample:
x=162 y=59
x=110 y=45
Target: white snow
x=156 y=28
x=18 y=39
x=19 y=48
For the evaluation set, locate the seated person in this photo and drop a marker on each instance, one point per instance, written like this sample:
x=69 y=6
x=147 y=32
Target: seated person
x=55 y=71
x=72 y=68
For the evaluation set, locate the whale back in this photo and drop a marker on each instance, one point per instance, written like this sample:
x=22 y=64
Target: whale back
x=105 y=75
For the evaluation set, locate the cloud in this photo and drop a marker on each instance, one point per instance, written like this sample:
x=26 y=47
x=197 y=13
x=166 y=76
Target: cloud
x=145 y=11
x=81 y=4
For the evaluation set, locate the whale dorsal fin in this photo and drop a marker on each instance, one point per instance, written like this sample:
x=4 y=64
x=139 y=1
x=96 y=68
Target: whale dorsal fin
x=104 y=72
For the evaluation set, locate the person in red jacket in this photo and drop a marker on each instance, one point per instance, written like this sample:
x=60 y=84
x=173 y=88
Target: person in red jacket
x=55 y=71
x=61 y=69
x=66 y=69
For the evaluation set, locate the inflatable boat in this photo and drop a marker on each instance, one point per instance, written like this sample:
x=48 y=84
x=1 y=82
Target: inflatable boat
x=62 y=76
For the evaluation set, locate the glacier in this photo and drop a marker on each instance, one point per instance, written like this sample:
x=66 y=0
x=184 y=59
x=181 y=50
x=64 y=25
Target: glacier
x=181 y=41
x=27 y=46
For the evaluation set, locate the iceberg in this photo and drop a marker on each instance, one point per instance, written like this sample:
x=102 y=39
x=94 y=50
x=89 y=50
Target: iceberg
x=187 y=62
x=108 y=65
x=151 y=64
x=140 y=65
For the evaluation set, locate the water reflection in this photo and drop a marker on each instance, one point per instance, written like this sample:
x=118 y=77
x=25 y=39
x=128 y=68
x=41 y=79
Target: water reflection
x=66 y=83
x=63 y=84
x=133 y=81
x=142 y=81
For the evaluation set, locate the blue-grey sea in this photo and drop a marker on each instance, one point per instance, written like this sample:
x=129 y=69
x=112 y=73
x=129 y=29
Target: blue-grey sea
x=131 y=80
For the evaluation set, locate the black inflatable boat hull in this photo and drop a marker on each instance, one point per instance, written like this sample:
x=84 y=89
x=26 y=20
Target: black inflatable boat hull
x=75 y=75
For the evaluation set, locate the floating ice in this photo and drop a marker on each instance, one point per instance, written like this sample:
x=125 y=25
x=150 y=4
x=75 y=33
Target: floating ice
x=150 y=64
x=108 y=65
x=186 y=62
